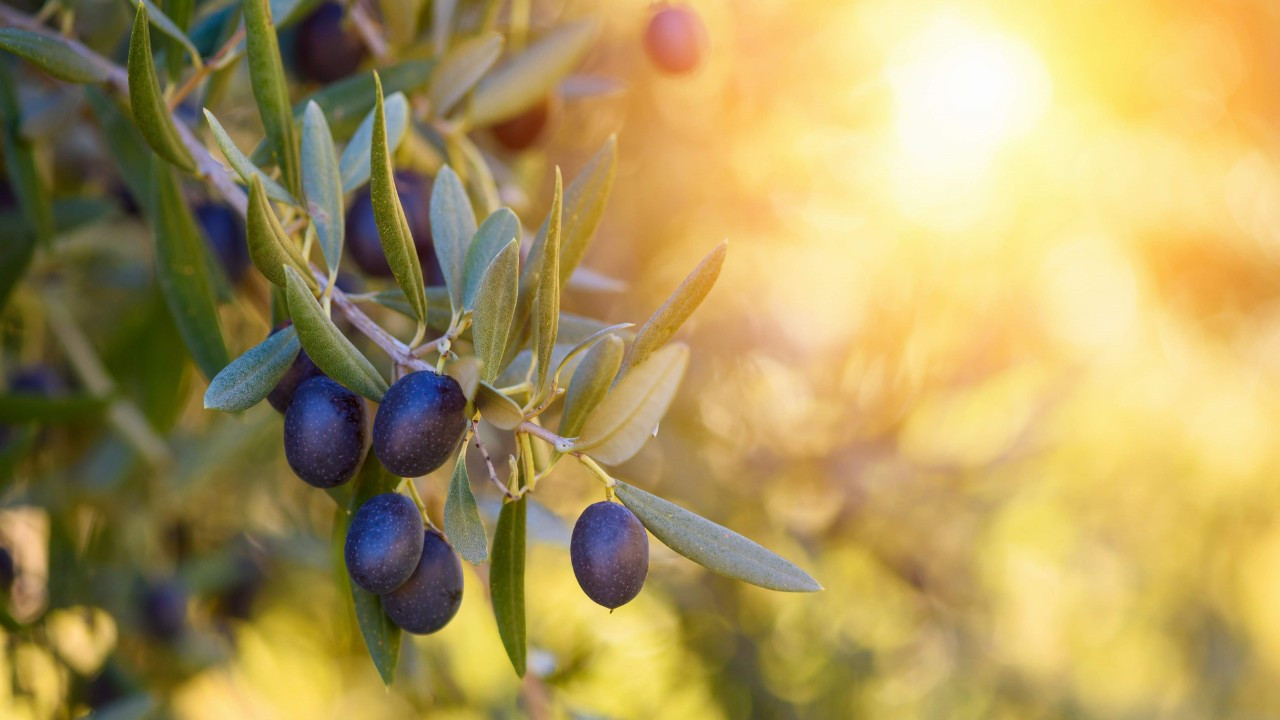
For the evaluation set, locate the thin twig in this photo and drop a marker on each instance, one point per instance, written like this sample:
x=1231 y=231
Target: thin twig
x=561 y=444
x=205 y=70
x=488 y=462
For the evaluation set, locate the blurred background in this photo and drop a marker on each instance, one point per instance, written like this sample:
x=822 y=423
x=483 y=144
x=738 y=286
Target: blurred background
x=995 y=356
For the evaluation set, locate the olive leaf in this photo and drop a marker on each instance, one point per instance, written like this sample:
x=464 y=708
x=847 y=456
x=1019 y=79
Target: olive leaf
x=250 y=377
x=462 y=523
x=495 y=233
x=497 y=409
x=495 y=304
x=590 y=384
x=149 y=111
x=453 y=225
x=354 y=164
x=271 y=90
x=179 y=12
x=388 y=214
x=400 y=20
x=51 y=55
x=506 y=581
x=441 y=23
x=439 y=317
x=289 y=12
x=626 y=418
x=664 y=322
x=716 y=548
x=531 y=74
x=547 y=312
x=327 y=347
x=168 y=28
x=586 y=344
x=460 y=69
x=322 y=185
x=125 y=143
x=179 y=258
x=17 y=408
x=270 y=247
x=466 y=370
x=481 y=186
x=243 y=167
x=381 y=635
x=24 y=177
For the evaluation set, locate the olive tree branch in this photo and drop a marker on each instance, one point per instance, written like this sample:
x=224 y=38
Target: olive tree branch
x=488 y=462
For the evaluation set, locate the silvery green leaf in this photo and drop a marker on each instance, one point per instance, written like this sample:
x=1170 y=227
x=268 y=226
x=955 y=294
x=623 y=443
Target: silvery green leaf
x=460 y=69
x=270 y=247
x=149 y=111
x=327 y=347
x=322 y=185
x=453 y=225
x=546 y=320
x=462 y=523
x=388 y=214
x=667 y=319
x=626 y=418
x=271 y=90
x=495 y=304
x=245 y=169
x=586 y=343
x=590 y=384
x=52 y=55
x=495 y=233
x=354 y=165
x=714 y=547
x=497 y=409
x=531 y=74
x=250 y=377
x=156 y=17
x=506 y=581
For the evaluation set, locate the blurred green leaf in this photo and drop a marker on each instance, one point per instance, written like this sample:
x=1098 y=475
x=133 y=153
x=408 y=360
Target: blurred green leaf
x=322 y=185
x=481 y=186
x=12 y=450
x=289 y=12
x=125 y=143
x=15 y=255
x=546 y=321
x=270 y=247
x=462 y=523
x=20 y=163
x=253 y=375
x=590 y=384
x=271 y=90
x=24 y=408
x=400 y=20
x=51 y=55
x=460 y=69
x=393 y=228
x=716 y=548
x=506 y=581
x=243 y=167
x=664 y=322
x=625 y=420
x=179 y=254
x=354 y=165
x=495 y=233
x=179 y=12
x=149 y=111
x=442 y=24
x=381 y=635
x=167 y=27
x=531 y=74
x=495 y=305
x=327 y=347
x=497 y=409
x=453 y=226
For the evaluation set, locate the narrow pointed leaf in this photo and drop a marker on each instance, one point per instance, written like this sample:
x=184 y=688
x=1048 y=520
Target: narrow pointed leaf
x=462 y=523
x=438 y=315
x=327 y=347
x=460 y=69
x=354 y=164
x=497 y=409
x=51 y=55
x=586 y=344
x=547 y=311
x=495 y=233
x=271 y=90
x=270 y=247
x=532 y=73
x=716 y=548
x=249 y=378
x=381 y=635
x=388 y=214
x=590 y=384
x=179 y=258
x=125 y=143
x=243 y=167
x=322 y=185
x=167 y=27
x=453 y=225
x=441 y=23
x=664 y=322
x=481 y=187
x=625 y=420
x=506 y=581
x=24 y=178
x=495 y=305
x=149 y=110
